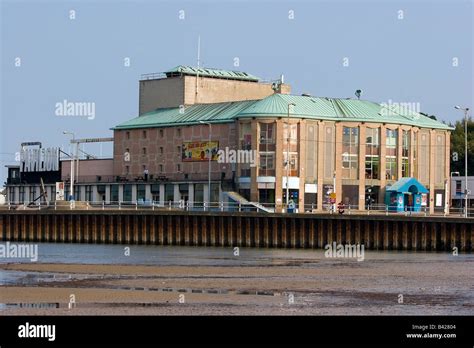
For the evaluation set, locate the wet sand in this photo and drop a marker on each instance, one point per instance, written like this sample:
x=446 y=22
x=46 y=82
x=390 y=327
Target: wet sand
x=429 y=285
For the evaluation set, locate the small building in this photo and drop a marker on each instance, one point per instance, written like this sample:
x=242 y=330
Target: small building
x=458 y=191
x=407 y=194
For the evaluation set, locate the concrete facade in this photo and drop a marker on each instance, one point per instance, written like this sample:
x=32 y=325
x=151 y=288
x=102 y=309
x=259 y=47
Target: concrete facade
x=188 y=90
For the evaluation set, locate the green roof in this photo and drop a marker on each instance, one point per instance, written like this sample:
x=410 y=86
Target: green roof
x=276 y=105
x=337 y=109
x=210 y=72
x=193 y=114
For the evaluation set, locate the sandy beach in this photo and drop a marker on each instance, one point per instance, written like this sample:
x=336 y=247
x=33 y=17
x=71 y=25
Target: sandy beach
x=429 y=286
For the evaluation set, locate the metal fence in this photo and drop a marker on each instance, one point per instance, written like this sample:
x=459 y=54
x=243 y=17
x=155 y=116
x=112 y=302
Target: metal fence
x=374 y=209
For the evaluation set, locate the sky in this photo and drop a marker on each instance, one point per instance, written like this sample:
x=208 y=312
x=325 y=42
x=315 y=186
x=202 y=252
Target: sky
x=394 y=51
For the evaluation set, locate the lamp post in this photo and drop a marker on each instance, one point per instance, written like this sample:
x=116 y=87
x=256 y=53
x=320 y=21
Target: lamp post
x=209 y=161
x=71 y=187
x=465 y=156
x=288 y=155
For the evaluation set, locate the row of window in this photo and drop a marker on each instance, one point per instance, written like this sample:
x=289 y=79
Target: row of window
x=160 y=131
x=160 y=168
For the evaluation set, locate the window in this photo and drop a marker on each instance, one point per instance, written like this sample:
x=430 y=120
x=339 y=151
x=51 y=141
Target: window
x=405 y=153
x=141 y=192
x=127 y=150
x=32 y=193
x=293 y=133
x=144 y=134
x=144 y=151
x=267 y=133
x=169 y=193
x=178 y=148
x=391 y=168
x=22 y=194
x=391 y=154
x=372 y=167
x=293 y=170
x=372 y=153
x=161 y=150
x=89 y=193
x=415 y=154
x=127 y=170
x=178 y=167
x=161 y=168
x=178 y=132
x=350 y=153
x=114 y=193
x=161 y=133
x=127 y=193
x=52 y=198
x=155 y=192
x=127 y=135
x=267 y=164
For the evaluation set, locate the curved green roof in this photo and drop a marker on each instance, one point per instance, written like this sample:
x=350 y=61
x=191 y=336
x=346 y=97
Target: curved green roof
x=276 y=105
x=337 y=109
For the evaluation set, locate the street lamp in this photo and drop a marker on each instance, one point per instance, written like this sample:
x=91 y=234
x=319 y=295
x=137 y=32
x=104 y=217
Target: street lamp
x=465 y=156
x=71 y=187
x=209 y=161
x=288 y=155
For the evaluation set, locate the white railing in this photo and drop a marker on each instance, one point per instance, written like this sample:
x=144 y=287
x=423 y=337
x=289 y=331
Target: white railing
x=221 y=206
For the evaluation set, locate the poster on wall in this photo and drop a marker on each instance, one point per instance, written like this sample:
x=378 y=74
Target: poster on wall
x=424 y=199
x=60 y=191
x=196 y=151
x=439 y=200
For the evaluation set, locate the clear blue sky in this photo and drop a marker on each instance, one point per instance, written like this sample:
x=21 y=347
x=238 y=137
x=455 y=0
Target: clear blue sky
x=404 y=60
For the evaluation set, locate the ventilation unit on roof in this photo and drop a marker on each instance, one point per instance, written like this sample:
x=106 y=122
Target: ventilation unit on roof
x=306 y=95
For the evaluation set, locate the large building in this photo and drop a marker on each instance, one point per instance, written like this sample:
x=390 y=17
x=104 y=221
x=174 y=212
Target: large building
x=317 y=149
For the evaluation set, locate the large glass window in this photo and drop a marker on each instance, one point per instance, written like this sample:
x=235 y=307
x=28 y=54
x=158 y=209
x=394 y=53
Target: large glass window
x=214 y=193
x=293 y=133
x=141 y=191
x=114 y=193
x=169 y=193
x=198 y=194
x=267 y=164
x=350 y=153
x=89 y=193
x=22 y=194
x=155 y=192
x=293 y=164
x=267 y=131
x=415 y=154
x=372 y=153
x=391 y=154
x=127 y=193
x=12 y=197
x=405 y=153
x=245 y=144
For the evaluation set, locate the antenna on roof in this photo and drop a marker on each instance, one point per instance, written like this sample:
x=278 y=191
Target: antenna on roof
x=199 y=51
x=358 y=93
x=198 y=62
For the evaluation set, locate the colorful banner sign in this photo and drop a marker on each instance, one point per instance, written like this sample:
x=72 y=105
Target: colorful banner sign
x=197 y=151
